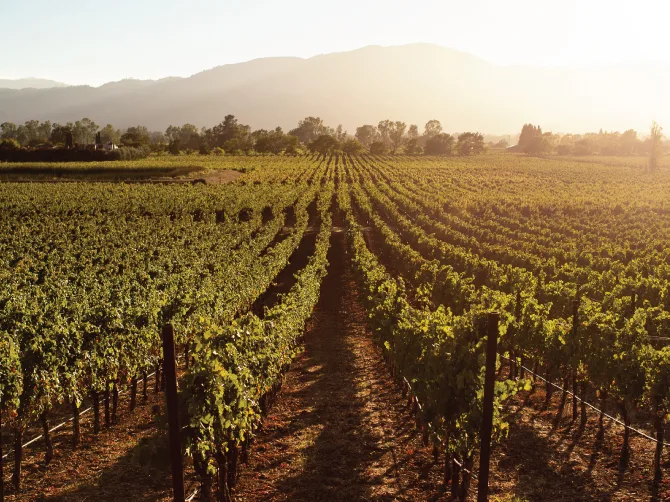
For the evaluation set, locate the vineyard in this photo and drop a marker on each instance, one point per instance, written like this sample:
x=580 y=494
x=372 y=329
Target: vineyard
x=572 y=254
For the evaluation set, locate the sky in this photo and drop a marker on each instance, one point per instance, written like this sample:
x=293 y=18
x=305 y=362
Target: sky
x=91 y=42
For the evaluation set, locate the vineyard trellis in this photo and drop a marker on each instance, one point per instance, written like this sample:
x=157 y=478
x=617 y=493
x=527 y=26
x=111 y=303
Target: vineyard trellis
x=91 y=272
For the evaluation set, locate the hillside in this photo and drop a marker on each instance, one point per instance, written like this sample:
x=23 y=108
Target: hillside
x=413 y=83
x=29 y=83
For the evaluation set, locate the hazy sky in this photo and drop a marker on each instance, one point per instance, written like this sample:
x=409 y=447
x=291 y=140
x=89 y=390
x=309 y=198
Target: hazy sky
x=92 y=42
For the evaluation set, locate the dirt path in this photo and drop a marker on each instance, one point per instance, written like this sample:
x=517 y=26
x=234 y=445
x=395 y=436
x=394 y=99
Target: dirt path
x=220 y=176
x=340 y=429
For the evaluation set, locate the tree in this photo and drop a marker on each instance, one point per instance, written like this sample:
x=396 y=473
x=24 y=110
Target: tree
x=9 y=144
x=9 y=130
x=225 y=131
x=22 y=135
x=78 y=133
x=440 y=144
x=378 y=148
x=352 y=146
x=340 y=134
x=413 y=132
x=628 y=142
x=324 y=144
x=185 y=137
x=539 y=145
x=59 y=134
x=89 y=129
x=135 y=136
x=528 y=136
x=384 y=128
x=412 y=146
x=564 y=150
x=655 y=137
x=242 y=142
x=396 y=134
x=174 y=146
x=292 y=145
x=44 y=131
x=31 y=128
x=366 y=134
x=157 y=141
x=310 y=129
x=156 y=138
x=172 y=133
x=534 y=142
x=470 y=143
x=244 y=139
x=583 y=146
x=271 y=141
x=432 y=128
x=110 y=135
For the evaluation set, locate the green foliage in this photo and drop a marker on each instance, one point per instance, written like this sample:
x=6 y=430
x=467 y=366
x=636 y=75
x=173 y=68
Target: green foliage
x=309 y=130
x=378 y=148
x=135 y=137
x=91 y=272
x=529 y=138
x=440 y=354
x=236 y=365
x=366 y=135
x=352 y=146
x=440 y=144
x=323 y=145
x=9 y=144
x=412 y=147
x=143 y=256
x=432 y=128
x=130 y=153
x=470 y=143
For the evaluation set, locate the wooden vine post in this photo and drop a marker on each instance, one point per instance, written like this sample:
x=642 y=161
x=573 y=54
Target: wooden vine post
x=487 y=411
x=2 y=473
x=170 y=375
x=575 y=361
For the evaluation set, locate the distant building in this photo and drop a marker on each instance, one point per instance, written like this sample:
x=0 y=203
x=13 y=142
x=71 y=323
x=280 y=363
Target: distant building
x=92 y=147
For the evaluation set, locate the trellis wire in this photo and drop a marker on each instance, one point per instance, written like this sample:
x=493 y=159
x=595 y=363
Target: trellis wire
x=430 y=425
x=62 y=424
x=637 y=431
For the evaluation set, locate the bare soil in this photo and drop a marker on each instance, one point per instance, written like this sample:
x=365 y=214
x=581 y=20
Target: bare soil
x=220 y=176
x=567 y=463
x=118 y=175
x=128 y=461
x=340 y=429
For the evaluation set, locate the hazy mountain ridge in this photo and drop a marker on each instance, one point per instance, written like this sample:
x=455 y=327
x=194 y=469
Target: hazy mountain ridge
x=29 y=83
x=413 y=83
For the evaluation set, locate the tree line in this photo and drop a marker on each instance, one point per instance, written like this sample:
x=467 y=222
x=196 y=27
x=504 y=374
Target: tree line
x=535 y=142
x=230 y=136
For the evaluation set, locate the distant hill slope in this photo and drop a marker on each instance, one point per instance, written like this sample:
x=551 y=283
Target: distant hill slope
x=413 y=83
x=29 y=83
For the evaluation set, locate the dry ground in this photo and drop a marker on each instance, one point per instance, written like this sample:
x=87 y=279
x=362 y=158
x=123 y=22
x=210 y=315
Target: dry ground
x=340 y=429
x=127 y=461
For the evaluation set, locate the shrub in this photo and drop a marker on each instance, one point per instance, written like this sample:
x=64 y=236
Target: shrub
x=9 y=144
x=378 y=148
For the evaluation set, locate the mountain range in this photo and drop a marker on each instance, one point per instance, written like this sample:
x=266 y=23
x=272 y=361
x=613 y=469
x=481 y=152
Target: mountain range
x=413 y=83
x=29 y=83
